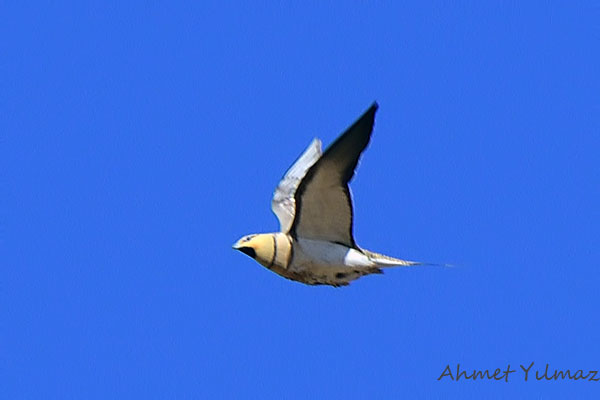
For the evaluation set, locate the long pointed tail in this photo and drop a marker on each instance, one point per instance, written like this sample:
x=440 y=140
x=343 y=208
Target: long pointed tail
x=387 y=261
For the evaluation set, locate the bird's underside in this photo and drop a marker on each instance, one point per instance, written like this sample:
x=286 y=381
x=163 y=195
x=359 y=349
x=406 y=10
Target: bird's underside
x=333 y=278
x=315 y=262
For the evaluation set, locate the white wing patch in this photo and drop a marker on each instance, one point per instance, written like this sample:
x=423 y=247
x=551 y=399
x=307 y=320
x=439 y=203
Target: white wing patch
x=283 y=203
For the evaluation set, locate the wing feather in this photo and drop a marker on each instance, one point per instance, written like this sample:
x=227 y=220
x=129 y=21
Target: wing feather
x=283 y=203
x=323 y=201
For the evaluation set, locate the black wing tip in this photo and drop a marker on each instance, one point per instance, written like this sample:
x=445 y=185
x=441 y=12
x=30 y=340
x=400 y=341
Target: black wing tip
x=370 y=111
x=368 y=115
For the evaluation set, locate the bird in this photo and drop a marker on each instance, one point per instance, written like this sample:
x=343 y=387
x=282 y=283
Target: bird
x=315 y=244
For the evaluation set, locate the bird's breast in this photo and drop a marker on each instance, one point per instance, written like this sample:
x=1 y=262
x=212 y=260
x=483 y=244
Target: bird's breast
x=282 y=251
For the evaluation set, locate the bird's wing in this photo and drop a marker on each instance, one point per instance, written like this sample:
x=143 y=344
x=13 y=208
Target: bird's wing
x=283 y=203
x=323 y=202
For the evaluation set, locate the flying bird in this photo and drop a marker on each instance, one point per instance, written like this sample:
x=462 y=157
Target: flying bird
x=315 y=244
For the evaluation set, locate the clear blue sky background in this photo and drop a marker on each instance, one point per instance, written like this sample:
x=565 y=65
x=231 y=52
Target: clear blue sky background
x=140 y=140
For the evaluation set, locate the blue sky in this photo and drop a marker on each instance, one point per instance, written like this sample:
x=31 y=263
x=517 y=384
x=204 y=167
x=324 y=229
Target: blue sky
x=140 y=140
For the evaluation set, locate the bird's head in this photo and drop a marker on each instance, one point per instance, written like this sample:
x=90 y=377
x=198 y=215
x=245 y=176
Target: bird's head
x=261 y=247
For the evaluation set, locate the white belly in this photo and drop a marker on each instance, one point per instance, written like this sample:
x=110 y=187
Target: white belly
x=319 y=254
x=316 y=262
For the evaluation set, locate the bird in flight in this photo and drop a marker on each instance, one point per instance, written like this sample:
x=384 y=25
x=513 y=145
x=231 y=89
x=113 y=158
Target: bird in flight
x=315 y=244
